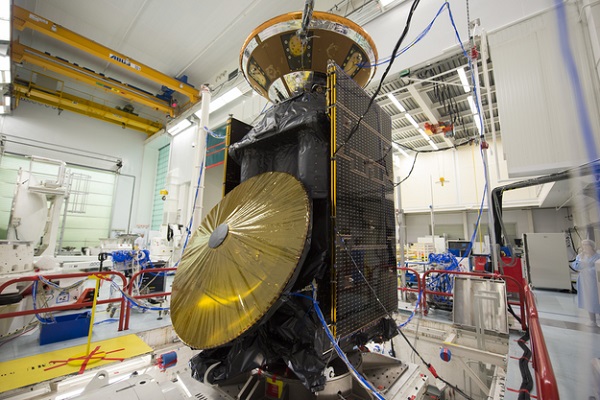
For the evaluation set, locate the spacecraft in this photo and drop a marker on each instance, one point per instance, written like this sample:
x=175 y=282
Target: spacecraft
x=307 y=217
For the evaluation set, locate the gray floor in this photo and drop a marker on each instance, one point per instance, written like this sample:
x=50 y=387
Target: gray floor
x=571 y=345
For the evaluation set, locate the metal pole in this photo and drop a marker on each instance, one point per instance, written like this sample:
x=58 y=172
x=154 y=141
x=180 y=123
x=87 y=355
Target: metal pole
x=400 y=238
x=488 y=92
x=484 y=147
x=197 y=182
x=432 y=215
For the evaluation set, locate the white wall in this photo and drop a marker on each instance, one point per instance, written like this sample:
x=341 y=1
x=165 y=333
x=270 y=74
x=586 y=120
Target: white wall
x=80 y=140
x=464 y=174
x=536 y=101
x=545 y=220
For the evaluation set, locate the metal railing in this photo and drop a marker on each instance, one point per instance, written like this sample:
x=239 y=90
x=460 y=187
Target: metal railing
x=544 y=374
x=545 y=380
x=546 y=384
x=130 y=286
x=66 y=307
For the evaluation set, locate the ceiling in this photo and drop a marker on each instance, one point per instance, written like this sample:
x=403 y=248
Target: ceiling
x=202 y=40
x=433 y=93
x=199 y=39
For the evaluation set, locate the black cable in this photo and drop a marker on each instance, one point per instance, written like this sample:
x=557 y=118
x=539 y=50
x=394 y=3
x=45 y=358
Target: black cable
x=527 y=383
x=430 y=367
x=467 y=141
x=409 y=172
x=417 y=152
x=510 y=310
x=385 y=73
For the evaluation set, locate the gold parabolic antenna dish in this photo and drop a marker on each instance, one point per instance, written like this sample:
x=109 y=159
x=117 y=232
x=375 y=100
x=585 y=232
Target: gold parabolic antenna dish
x=278 y=64
x=240 y=260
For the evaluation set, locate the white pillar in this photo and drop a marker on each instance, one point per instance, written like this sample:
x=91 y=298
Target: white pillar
x=197 y=183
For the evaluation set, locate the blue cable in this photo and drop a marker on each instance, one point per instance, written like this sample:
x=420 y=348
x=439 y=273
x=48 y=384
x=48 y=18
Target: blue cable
x=567 y=53
x=34 y=298
x=106 y=321
x=420 y=36
x=402 y=325
x=582 y=112
x=132 y=301
x=189 y=227
x=366 y=384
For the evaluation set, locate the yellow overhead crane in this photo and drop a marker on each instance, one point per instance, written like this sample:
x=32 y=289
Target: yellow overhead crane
x=23 y=18
x=65 y=101
x=22 y=53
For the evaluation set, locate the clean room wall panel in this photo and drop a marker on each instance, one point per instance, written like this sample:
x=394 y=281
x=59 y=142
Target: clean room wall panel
x=465 y=181
x=493 y=15
x=540 y=128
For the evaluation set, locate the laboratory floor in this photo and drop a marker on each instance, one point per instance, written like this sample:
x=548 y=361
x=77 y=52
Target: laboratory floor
x=105 y=327
x=571 y=344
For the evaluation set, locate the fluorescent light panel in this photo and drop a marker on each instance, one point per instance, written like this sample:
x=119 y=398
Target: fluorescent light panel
x=411 y=120
x=228 y=97
x=463 y=79
x=472 y=104
x=477 y=122
x=5 y=10
x=181 y=126
x=400 y=149
x=429 y=140
x=397 y=103
x=385 y=2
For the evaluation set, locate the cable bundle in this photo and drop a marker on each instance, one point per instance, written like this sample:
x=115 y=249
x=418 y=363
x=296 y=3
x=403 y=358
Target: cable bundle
x=443 y=283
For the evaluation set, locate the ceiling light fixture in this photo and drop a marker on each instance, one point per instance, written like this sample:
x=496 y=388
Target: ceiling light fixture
x=385 y=3
x=227 y=98
x=477 y=122
x=396 y=102
x=179 y=127
x=463 y=79
x=429 y=140
x=472 y=104
x=400 y=149
x=411 y=120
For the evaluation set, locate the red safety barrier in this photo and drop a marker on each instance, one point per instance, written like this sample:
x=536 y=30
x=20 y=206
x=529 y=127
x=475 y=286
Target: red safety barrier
x=478 y=275
x=142 y=296
x=545 y=380
x=547 y=387
x=74 y=306
x=419 y=283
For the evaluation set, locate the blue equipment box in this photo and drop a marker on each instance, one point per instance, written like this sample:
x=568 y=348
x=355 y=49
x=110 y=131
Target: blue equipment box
x=66 y=327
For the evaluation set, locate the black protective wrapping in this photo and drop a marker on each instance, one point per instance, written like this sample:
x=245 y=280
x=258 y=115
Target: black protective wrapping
x=292 y=137
x=292 y=337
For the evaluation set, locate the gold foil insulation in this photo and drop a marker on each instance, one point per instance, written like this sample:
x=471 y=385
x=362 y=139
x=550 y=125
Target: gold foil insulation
x=240 y=259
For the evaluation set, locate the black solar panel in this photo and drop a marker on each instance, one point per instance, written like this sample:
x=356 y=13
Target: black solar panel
x=365 y=262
